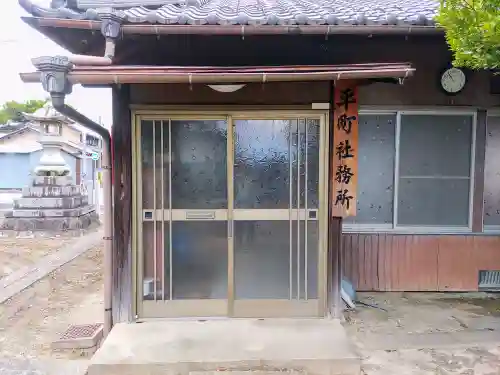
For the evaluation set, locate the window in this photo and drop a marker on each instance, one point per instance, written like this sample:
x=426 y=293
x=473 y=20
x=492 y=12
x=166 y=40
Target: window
x=415 y=171
x=376 y=161
x=491 y=213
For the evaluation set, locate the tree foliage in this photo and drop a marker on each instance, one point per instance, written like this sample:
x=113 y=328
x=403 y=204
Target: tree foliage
x=12 y=110
x=472 y=31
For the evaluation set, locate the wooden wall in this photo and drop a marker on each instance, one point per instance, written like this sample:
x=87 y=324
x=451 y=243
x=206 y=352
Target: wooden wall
x=392 y=262
x=372 y=261
x=121 y=136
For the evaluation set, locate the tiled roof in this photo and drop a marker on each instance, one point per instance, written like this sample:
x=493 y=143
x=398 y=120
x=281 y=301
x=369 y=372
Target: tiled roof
x=249 y=12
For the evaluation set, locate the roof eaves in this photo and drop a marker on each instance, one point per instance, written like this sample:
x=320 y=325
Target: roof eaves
x=276 y=13
x=15 y=132
x=45 y=24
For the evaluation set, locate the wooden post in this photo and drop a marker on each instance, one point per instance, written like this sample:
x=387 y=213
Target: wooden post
x=342 y=181
x=121 y=135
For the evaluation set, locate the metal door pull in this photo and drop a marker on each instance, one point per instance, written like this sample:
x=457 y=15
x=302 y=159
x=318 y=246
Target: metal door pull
x=197 y=215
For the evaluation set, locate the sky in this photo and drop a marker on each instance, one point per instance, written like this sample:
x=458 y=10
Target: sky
x=19 y=43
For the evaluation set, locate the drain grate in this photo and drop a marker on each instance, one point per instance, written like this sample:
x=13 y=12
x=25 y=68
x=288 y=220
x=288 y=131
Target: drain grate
x=82 y=336
x=489 y=280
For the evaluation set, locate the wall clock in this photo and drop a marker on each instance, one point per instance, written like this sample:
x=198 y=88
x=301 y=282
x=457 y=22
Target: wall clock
x=453 y=80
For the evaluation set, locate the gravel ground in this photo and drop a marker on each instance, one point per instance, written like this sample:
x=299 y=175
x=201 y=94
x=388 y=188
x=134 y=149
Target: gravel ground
x=16 y=253
x=30 y=321
x=483 y=360
x=424 y=314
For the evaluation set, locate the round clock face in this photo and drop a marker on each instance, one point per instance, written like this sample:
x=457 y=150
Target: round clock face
x=453 y=80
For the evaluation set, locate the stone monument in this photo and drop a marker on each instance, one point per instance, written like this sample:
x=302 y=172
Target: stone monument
x=52 y=203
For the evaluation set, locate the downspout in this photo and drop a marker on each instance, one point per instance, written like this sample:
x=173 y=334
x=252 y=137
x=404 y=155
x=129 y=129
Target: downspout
x=54 y=77
x=111 y=21
x=59 y=104
x=107 y=59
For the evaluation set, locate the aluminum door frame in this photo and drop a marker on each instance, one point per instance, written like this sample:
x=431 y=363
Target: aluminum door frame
x=193 y=308
x=290 y=307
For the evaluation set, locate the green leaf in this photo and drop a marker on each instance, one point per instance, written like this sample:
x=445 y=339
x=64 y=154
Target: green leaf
x=12 y=110
x=472 y=31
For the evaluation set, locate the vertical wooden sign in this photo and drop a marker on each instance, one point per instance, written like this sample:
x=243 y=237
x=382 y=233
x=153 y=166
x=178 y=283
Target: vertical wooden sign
x=344 y=166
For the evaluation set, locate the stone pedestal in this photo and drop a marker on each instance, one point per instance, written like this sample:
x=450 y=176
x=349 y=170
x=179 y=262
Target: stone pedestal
x=52 y=204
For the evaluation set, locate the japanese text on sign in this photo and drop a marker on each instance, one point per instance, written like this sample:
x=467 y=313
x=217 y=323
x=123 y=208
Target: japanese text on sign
x=345 y=138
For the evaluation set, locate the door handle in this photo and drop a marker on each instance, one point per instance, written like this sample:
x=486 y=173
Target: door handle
x=230 y=228
x=200 y=215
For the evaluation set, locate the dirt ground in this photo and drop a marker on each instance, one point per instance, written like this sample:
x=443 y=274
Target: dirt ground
x=30 y=321
x=16 y=253
x=384 y=338
x=73 y=294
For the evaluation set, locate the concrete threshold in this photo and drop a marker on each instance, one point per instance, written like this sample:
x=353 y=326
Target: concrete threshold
x=256 y=346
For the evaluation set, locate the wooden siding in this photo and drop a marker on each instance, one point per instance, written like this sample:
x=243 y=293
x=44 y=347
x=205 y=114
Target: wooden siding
x=121 y=135
x=392 y=262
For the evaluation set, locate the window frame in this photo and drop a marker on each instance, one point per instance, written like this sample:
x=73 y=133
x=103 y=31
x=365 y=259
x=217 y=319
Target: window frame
x=405 y=229
x=489 y=229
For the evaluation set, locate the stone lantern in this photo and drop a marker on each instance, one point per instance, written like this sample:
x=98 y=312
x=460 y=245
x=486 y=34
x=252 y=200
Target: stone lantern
x=52 y=203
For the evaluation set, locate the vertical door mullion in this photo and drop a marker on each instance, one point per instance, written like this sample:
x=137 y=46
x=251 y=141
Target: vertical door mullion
x=324 y=199
x=170 y=250
x=298 y=209
x=230 y=216
x=139 y=216
x=162 y=213
x=290 y=208
x=306 y=180
x=155 y=278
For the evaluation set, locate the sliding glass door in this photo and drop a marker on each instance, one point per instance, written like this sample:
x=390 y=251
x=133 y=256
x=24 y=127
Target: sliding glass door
x=231 y=219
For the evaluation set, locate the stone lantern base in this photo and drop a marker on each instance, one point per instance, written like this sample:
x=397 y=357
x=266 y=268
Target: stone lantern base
x=51 y=204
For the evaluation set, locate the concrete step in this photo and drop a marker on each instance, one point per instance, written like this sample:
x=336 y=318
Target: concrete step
x=232 y=346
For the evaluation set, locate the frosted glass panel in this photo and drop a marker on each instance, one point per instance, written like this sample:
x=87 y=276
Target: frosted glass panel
x=147 y=161
x=435 y=170
x=492 y=173
x=262 y=163
x=433 y=202
x=154 y=269
x=429 y=144
x=155 y=157
x=199 y=260
x=199 y=164
x=263 y=256
x=376 y=162
x=312 y=137
x=271 y=153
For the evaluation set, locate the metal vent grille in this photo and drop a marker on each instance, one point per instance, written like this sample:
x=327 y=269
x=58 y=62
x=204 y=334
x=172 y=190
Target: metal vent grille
x=81 y=331
x=79 y=336
x=489 y=280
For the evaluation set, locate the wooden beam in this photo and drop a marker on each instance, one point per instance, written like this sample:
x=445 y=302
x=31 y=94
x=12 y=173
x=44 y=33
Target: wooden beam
x=121 y=135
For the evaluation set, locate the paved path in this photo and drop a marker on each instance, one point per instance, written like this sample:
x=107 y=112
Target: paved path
x=25 y=366
x=21 y=279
